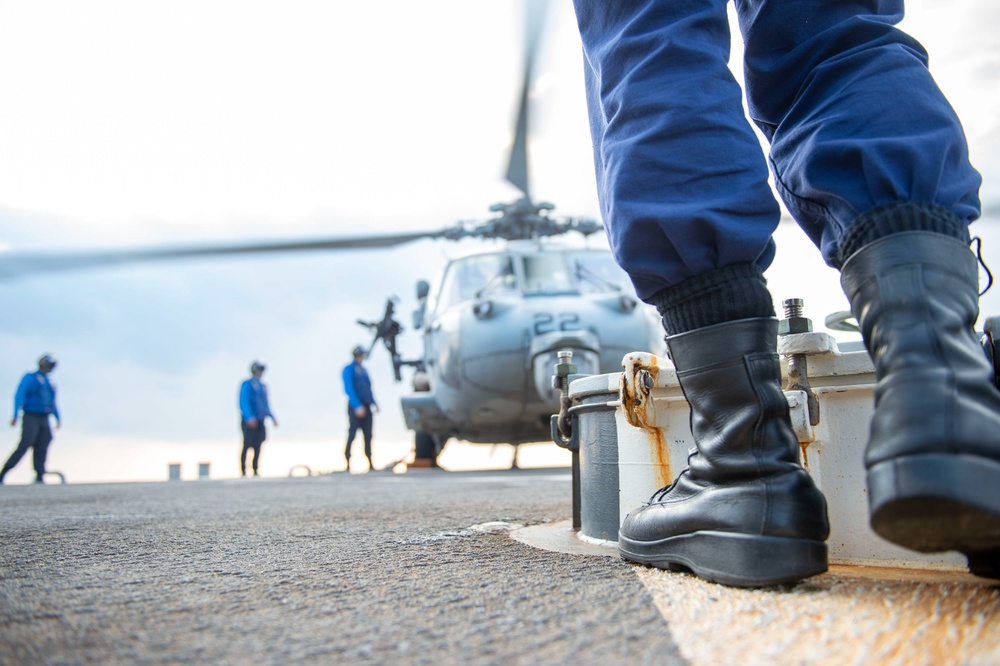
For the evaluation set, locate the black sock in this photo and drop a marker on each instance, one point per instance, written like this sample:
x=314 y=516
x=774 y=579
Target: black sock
x=898 y=217
x=725 y=294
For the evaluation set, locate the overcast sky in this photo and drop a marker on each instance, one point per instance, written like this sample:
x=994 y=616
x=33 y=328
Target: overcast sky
x=127 y=123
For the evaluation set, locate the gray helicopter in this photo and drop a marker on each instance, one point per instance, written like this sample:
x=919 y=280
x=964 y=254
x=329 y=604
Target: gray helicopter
x=494 y=323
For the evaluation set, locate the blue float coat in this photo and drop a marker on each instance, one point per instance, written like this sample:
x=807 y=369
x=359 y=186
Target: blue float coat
x=357 y=385
x=253 y=400
x=35 y=395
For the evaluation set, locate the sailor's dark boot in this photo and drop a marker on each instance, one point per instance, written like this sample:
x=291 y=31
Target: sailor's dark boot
x=933 y=458
x=744 y=512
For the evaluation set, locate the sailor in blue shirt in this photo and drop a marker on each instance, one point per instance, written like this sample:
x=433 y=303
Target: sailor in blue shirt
x=361 y=403
x=254 y=408
x=36 y=397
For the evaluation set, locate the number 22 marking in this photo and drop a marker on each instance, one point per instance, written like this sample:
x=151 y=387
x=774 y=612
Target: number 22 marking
x=564 y=321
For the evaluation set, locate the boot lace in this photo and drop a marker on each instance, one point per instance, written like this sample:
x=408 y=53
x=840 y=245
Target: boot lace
x=979 y=254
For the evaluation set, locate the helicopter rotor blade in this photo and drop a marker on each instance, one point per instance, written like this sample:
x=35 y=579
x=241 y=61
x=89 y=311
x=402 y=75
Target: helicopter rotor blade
x=517 y=166
x=13 y=264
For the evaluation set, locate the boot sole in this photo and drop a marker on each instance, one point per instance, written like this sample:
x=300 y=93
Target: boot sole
x=938 y=502
x=740 y=560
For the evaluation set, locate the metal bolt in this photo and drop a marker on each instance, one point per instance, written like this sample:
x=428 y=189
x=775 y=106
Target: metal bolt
x=564 y=368
x=794 y=322
x=646 y=379
x=793 y=307
x=798 y=366
x=562 y=432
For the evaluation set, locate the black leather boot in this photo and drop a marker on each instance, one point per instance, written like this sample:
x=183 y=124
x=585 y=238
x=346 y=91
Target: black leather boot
x=744 y=512
x=933 y=458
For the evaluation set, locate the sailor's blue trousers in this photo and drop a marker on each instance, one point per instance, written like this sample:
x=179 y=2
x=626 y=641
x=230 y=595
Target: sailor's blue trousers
x=845 y=99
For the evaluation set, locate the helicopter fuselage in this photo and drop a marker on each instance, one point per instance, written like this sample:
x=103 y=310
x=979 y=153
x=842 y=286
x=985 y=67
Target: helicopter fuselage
x=492 y=331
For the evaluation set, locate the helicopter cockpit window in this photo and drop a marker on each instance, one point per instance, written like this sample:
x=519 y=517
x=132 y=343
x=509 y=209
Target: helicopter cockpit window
x=597 y=272
x=547 y=273
x=477 y=276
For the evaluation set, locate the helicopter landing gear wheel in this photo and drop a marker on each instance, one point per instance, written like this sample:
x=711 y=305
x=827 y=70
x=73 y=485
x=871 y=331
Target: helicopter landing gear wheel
x=426 y=450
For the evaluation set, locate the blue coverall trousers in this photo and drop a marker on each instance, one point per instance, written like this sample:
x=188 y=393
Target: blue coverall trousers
x=35 y=435
x=845 y=99
x=253 y=438
x=362 y=423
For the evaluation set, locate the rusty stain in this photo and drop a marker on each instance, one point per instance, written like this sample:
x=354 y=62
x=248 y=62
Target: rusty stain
x=661 y=458
x=804 y=446
x=636 y=403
